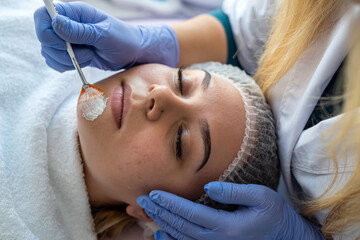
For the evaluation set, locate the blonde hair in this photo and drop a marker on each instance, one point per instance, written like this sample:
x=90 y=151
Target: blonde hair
x=110 y=220
x=297 y=24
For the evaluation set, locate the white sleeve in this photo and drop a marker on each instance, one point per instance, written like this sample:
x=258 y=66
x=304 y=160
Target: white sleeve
x=250 y=22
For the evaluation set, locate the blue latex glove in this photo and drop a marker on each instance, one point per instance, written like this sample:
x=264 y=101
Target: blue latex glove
x=262 y=214
x=100 y=40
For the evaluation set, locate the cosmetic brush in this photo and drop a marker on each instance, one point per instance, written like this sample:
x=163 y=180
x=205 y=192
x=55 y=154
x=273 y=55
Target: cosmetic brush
x=92 y=102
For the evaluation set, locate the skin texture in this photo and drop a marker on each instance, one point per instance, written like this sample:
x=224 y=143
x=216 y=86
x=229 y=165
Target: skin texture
x=123 y=163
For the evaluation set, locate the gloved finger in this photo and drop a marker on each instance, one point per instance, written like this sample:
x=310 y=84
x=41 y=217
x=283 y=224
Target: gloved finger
x=54 y=59
x=172 y=223
x=193 y=212
x=60 y=67
x=241 y=194
x=172 y=231
x=82 y=55
x=80 y=12
x=161 y=235
x=44 y=30
x=56 y=66
x=73 y=11
x=179 y=224
x=74 y=32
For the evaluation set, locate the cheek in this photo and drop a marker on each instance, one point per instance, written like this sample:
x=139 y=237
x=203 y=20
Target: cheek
x=146 y=158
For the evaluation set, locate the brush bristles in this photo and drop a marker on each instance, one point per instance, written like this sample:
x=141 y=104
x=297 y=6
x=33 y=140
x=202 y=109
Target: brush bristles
x=92 y=103
x=90 y=94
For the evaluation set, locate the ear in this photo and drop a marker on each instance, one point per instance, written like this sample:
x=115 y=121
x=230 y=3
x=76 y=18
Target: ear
x=138 y=212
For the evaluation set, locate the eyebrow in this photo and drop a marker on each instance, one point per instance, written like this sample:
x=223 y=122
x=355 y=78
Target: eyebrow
x=205 y=134
x=204 y=125
x=206 y=81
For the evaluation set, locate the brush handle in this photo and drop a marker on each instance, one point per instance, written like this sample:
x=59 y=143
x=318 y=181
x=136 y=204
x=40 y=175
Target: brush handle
x=52 y=12
x=50 y=8
x=76 y=65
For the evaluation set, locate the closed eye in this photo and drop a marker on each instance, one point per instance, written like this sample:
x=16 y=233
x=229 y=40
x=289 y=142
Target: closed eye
x=179 y=143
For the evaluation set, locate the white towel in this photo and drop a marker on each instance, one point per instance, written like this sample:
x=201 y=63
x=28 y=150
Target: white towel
x=42 y=189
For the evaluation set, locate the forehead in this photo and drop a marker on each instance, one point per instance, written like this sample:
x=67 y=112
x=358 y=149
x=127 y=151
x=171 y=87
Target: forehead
x=227 y=122
x=151 y=72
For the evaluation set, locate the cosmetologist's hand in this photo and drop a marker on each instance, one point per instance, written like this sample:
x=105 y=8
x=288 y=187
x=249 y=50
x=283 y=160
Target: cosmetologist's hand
x=100 y=40
x=262 y=214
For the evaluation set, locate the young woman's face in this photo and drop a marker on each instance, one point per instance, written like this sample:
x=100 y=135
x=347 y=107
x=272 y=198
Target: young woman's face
x=158 y=134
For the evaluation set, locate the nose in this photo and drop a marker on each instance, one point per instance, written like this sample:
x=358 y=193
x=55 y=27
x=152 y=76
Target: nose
x=162 y=100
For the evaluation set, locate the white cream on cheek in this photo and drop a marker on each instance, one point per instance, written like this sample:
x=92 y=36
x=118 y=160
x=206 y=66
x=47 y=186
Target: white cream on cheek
x=92 y=104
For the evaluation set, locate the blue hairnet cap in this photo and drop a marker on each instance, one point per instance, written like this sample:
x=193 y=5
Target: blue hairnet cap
x=257 y=160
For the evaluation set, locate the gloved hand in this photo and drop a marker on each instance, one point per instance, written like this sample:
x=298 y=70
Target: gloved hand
x=100 y=40
x=262 y=214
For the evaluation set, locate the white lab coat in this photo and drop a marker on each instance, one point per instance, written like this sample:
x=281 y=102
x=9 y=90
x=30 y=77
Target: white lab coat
x=306 y=167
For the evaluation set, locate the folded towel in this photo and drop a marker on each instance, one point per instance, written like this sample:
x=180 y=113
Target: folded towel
x=43 y=192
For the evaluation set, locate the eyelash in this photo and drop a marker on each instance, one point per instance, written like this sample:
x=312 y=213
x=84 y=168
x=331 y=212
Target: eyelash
x=180 y=79
x=180 y=129
x=179 y=142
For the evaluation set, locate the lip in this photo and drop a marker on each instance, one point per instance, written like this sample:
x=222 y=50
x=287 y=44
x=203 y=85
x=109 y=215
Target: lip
x=120 y=103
